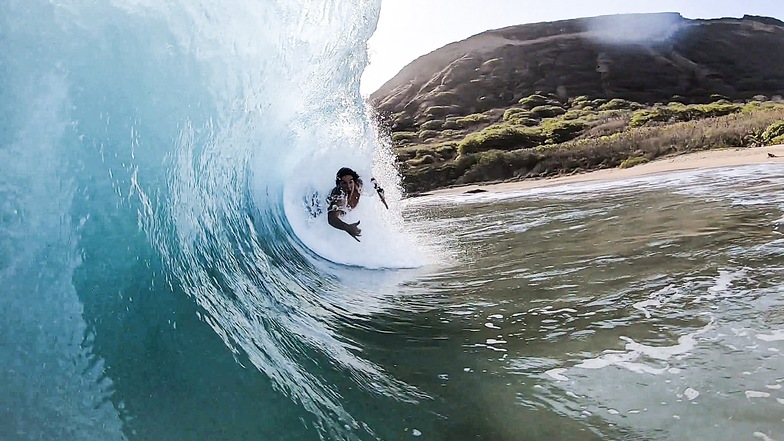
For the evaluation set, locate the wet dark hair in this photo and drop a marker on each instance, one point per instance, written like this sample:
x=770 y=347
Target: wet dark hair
x=347 y=171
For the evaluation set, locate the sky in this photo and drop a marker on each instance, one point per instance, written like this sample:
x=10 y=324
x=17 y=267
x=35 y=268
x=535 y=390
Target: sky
x=408 y=29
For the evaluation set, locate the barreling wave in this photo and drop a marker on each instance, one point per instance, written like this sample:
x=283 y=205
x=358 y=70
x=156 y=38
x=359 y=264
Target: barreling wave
x=170 y=144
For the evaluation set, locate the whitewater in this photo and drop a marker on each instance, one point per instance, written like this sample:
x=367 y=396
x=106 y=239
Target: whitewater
x=156 y=156
x=163 y=277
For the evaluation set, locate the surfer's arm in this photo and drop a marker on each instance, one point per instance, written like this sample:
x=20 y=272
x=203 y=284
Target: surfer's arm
x=333 y=217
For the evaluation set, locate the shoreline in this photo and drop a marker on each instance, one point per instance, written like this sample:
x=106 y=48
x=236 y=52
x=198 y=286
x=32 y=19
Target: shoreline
x=729 y=157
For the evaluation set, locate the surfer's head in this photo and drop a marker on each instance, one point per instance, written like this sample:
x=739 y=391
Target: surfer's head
x=347 y=179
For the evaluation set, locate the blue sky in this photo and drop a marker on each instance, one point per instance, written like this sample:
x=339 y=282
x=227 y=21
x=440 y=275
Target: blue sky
x=408 y=29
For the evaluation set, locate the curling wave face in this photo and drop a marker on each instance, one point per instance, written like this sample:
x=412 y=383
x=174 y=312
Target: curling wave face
x=153 y=178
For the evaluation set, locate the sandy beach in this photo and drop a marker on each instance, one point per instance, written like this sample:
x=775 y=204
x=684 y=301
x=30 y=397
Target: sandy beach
x=707 y=159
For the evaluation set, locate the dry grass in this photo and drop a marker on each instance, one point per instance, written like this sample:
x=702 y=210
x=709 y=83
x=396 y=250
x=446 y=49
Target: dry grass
x=581 y=139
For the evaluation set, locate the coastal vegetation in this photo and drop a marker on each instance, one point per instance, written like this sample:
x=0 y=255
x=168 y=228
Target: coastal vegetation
x=545 y=99
x=543 y=135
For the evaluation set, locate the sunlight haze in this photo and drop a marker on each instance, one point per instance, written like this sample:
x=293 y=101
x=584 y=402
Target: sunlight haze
x=408 y=29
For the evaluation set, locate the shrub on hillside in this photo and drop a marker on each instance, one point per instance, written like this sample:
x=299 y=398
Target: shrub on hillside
x=579 y=102
x=547 y=111
x=620 y=104
x=497 y=165
x=435 y=124
x=472 y=119
x=716 y=109
x=405 y=155
x=520 y=117
x=421 y=160
x=558 y=131
x=427 y=134
x=677 y=112
x=501 y=137
x=631 y=162
x=522 y=152
x=451 y=133
x=534 y=100
x=447 y=151
x=656 y=114
x=515 y=113
x=402 y=122
x=525 y=122
x=577 y=113
x=756 y=106
x=437 y=111
x=451 y=124
x=608 y=127
x=774 y=133
x=400 y=137
x=445 y=98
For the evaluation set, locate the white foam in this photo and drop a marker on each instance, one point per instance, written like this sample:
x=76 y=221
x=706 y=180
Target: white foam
x=763 y=436
x=777 y=335
x=557 y=374
x=557 y=311
x=756 y=394
x=657 y=299
x=685 y=344
x=691 y=393
x=492 y=341
x=636 y=350
x=384 y=243
x=608 y=359
x=724 y=280
x=642 y=306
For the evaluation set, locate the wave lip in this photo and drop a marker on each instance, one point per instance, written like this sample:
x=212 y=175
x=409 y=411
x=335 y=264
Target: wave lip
x=169 y=165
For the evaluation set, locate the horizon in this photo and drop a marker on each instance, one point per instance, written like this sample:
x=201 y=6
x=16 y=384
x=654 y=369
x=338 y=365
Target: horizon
x=390 y=50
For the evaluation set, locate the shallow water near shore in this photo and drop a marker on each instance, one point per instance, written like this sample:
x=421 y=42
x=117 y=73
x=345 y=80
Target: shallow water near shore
x=643 y=309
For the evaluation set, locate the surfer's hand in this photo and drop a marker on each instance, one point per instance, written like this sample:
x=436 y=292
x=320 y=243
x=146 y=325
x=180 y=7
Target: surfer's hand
x=354 y=230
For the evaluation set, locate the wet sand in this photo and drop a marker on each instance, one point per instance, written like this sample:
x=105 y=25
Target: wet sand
x=700 y=160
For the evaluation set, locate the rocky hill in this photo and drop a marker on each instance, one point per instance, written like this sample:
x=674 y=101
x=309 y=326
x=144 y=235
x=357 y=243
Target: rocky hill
x=646 y=58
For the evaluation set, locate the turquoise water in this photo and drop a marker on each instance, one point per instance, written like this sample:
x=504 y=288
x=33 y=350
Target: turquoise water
x=162 y=279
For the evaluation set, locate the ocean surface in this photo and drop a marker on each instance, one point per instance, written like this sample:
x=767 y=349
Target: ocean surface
x=163 y=276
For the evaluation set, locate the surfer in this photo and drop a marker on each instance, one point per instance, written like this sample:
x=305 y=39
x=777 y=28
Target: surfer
x=345 y=197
